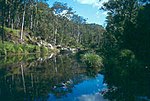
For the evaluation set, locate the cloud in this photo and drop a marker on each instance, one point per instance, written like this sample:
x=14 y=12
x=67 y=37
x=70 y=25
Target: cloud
x=64 y=12
x=105 y=13
x=99 y=14
x=95 y=3
x=89 y=2
x=95 y=97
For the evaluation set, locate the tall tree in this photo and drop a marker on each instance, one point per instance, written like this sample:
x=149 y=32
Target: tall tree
x=3 y=7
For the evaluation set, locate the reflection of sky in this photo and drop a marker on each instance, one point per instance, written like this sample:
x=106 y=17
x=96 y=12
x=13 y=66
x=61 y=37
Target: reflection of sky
x=85 y=91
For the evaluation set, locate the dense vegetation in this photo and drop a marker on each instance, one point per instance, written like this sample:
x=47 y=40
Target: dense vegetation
x=57 y=25
x=127 y=49
x=128 y=28
x=123 y=46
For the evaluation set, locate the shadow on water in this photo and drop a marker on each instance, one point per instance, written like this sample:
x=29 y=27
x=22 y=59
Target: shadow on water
x=52 y=78
x=127 y=81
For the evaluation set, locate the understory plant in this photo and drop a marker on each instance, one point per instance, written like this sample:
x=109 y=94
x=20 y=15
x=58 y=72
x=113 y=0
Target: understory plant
x=92 y=60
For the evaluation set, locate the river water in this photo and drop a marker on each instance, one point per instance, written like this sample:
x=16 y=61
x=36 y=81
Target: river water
x=64 y=78
x=49 y=78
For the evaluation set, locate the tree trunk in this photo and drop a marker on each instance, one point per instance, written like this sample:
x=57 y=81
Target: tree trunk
x=9 y=18
x=55 y=40
x=18 y=22
x=78 y=35
x=23 y=79
x=32 y=80
x=22 y=26
x=12 y=24
x=31 y=24
x=3 y=20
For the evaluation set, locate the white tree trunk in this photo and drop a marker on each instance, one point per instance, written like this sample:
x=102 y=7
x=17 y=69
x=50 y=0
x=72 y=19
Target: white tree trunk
x=23 y=79
x=31 y=24
x=55 y=36
x=12 y=24
x=22 y=26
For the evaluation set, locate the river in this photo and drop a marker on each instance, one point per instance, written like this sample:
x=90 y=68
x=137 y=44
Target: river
x=64 y=78
x=49 y=78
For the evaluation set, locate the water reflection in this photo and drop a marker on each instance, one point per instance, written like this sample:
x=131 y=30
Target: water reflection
x=34 y=77
x=86 y=90
x=127 y=81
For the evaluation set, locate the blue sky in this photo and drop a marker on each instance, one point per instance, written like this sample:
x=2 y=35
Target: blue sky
x=89 y=9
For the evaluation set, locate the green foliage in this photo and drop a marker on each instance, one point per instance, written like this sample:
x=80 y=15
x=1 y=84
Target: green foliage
x=14 y=32
x=127 y=57
x=30 y=48
x=92 y=60
x=2 y=50
x=68 y=30
x=127 y=54
x=7 y=48
x=19 y=49
x=10 y=48
x=127 y=28
x=13 y=49
x=37 y=49
x=44 y=50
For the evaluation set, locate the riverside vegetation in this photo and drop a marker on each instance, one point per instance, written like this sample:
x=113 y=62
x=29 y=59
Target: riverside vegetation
x=121 y=49
x=30 y=45
x=32 y=26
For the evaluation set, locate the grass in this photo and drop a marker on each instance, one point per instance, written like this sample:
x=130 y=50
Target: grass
x=13 y=46
x=14 y=32
x=9 y=48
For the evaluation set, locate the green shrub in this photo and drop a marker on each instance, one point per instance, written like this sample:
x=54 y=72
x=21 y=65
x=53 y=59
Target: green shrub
x=126 y=55
x=92 y=60
x=3 y=51
x=44 y=50
x=29 y=48
x=37 y=49
x=9 y=48
x=18 y=48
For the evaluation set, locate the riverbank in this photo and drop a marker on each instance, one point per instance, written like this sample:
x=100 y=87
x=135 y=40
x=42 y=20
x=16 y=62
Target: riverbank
x=8 y=48
x=13 y=45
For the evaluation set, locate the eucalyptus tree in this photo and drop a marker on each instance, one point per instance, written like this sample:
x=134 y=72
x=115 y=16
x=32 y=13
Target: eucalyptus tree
x=79 y=21
x=61 y=10
x=2 y=19
x=43 y=21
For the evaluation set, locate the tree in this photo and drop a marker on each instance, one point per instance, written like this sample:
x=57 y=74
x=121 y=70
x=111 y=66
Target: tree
x=3 y=7
x=141 y=43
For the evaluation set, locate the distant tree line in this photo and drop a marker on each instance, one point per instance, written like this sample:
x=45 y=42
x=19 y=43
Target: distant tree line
x=59 y=24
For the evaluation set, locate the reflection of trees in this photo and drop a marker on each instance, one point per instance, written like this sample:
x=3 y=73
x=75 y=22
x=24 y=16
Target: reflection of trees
x=92 y=72
x=131 y=79
x=35 y=78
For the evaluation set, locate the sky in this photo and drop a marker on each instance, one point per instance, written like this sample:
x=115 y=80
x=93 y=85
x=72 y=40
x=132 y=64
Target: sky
x=88 y=9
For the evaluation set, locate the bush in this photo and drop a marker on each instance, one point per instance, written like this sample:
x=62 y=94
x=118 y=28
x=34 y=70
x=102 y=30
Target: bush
x=44 y=50
x=37 y=49
x=11 y=49
x=30 y=48
x=2 y=49
x=126 y=55
x=18 y=48
x=92 y=60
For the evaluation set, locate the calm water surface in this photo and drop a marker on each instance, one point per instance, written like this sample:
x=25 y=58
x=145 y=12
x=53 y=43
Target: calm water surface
x=50 y=78
x=63 y=78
